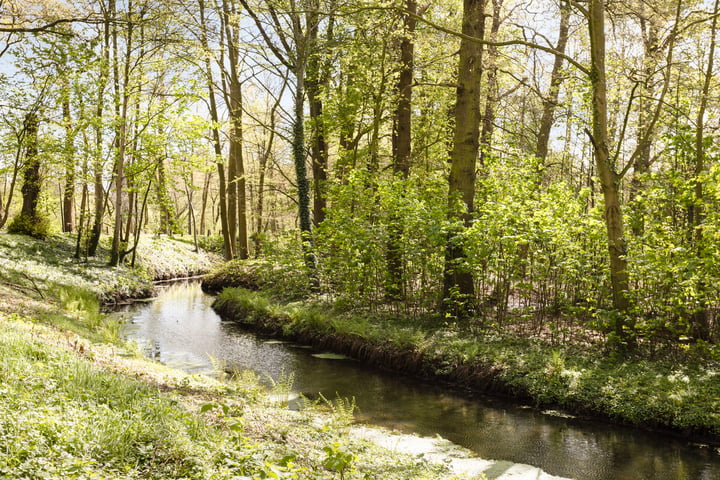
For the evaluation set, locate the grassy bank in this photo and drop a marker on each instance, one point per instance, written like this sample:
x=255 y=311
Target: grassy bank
x=36 y=267
x=682 y=396
x=77 y=404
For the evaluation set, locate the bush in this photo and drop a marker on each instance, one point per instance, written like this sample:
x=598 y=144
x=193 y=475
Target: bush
x=35 y=226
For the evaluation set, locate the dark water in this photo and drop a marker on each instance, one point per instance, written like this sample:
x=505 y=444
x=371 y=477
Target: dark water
x=180 y=329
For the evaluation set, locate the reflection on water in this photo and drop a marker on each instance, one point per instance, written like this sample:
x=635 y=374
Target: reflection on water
x=180 y=329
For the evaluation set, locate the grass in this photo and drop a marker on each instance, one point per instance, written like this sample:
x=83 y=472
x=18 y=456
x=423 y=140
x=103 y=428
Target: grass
x=35 y=266
x=681 y=397
x=76 y=404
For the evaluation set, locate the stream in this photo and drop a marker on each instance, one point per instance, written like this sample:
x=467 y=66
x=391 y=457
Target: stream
x=180 y=329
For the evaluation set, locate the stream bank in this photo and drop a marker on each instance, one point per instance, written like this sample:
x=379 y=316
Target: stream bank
x=180 y=328
x=76 y=403
x=680 y=399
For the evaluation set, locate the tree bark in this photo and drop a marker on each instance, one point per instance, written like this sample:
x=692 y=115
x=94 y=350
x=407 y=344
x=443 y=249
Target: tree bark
x=116 y=250
x=700 y=323
x=237 y=196
x=609 y=178
x=401 y=148
x=458 y=288
x=550 y=102
x=99 y=188
x=317 y=79
x=491 y=99
x=228 y=247
x=31 y=176
x=68 y=215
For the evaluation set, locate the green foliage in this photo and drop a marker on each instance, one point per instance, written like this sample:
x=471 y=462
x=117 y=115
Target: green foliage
x=286 y=280
x=37 y=226
x=352 y=241
x=338 y=459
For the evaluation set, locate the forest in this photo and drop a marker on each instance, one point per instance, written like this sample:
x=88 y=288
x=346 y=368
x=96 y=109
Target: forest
x=529 y=166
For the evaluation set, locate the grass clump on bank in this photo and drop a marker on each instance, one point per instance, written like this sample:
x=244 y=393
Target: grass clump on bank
x=684 y=398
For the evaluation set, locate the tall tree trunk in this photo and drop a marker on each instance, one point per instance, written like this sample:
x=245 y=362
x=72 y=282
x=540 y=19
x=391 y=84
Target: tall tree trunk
x=69 y=154
x=303 y=185
x=31 y=174
x=700 y=326
x=318 y=78
x=204 y=201
x=237 y=195
x=609 y=178
x=227 y=244
x=168 y=217
x=458 y=288
x=491 y=100
x=116 y=250
x=401 y=148
x=265 y=151
x=99 y=188
x=5 y=211
x=550 y=101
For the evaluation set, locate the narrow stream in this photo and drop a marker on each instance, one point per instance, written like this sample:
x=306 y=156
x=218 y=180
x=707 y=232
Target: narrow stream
x=180 y=329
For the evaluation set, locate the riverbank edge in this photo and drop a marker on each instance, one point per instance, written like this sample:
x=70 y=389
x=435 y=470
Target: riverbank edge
x=45 y=331
x=471 y=375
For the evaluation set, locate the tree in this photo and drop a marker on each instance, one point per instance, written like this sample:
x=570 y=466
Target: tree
x=28 y=221
x=297 y=44
x=458 y=288
x=401 y=145
x=700 y=323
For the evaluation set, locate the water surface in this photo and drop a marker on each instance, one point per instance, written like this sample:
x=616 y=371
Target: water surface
x=180 y=329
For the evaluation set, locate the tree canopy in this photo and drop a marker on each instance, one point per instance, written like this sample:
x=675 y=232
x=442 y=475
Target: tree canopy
x=512 y=164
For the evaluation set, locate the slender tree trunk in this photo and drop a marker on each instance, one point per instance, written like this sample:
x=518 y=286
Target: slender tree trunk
x=348 y=111
x=5 y=212
x=83 y=209
x=402 y=148
x=303 y=185
x=700 y=326
x=69 y=154
x=116 y=252
x=265 y=152
x=491 y=100
x=168 y=217
x=31 y=174
x=609 y=178
x=550 y=101
x=318 y=78
x=227 y=244
x=99 y=188
x=458 y=288
x=191 y=216
x=204 y=201
x=237 y=195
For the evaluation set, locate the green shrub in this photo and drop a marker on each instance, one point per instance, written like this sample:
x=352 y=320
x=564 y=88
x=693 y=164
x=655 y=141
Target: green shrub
x=34 y=226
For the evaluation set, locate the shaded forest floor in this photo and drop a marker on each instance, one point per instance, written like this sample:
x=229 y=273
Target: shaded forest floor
x=77 y=403
x=676 y=393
